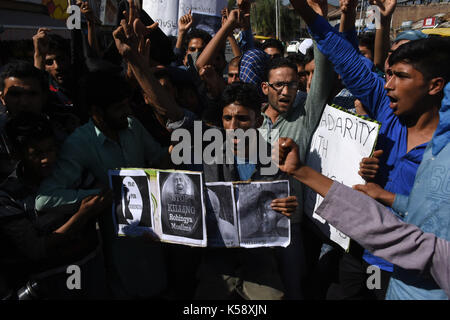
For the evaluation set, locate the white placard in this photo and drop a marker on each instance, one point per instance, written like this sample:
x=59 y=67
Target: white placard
x=168 y=12
x=339 y=143
x=165 y=12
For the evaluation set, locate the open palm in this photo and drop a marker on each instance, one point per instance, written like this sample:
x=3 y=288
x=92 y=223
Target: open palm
x=387 y=7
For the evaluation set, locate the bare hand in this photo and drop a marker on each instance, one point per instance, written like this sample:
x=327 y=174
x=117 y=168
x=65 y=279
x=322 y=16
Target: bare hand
x=130 y=37
x=40 y=41
x=244 y=5
x=285 y=205
x=387 y=7
x=368 y=167
x=133 y=19
x=376 y=192
x=236 y=18
x=126 y=41
x=185 y=22
x=224 y=13
x=87 y=11
x=285 y=155
x=360 y=108
x=93 y=205
x=348 y=6
x=319 y=6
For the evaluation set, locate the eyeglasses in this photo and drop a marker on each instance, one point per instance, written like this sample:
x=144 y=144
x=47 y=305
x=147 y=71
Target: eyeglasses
x=278 y=86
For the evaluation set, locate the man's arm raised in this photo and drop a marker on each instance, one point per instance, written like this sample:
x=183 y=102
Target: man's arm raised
x=134 y=46
x=234 y=20
x=368 y=222
x=289 y=161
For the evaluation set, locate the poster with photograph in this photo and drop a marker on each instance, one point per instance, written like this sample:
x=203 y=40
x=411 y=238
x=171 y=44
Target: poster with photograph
x=259 y=225
x=181 y=207
x=207 y=22
x=132 y=214
x=167 y=13
x=221 y=220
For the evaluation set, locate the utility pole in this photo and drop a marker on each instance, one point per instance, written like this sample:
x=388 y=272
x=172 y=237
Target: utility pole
x=277 y=18
x=360 y=15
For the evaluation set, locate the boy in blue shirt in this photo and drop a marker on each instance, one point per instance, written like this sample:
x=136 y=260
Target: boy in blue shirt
x=407 y=106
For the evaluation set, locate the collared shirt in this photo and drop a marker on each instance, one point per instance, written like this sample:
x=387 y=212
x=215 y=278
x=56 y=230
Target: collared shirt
x=252 y=67
x=428 y=207
x=245 y=40
x=302 y=119
x=397 y=166
x=88 y=149
x=371 y=224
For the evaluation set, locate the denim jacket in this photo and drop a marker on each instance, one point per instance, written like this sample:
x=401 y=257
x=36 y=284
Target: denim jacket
x=428 y=207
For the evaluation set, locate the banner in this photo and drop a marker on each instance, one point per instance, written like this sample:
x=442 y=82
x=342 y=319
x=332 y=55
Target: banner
x=206 y=14
x=339 y=143
x=176 y=207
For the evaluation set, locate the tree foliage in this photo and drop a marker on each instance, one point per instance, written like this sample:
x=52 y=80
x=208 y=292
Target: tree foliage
x=263 y=20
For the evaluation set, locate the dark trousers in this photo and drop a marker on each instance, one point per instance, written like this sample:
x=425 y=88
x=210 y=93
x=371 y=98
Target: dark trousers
x=320 y=271
x=292 y=266
x=353 y=279
x=182 y=267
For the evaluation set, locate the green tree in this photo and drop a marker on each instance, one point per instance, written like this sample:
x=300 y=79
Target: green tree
x=289 y=24
x=263 y=20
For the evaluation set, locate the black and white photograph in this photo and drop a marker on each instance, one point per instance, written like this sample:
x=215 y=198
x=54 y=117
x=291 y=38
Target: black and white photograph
x=259 y=224
x=131 y=207
x=221 y=222
x=206 y=22
x=181 y=207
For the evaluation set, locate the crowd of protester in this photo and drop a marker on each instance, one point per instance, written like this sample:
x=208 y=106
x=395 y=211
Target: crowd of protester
x=75 y=112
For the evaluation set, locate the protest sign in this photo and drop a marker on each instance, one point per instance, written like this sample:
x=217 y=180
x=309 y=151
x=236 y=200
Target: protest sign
x=171 y=205
x=339 y=143
x=181 y=207
x=165 y=12
x=259 y=224
x=239 y=214
x=131 y=209
x=165 y=203
x=221 y=219
x=206 y=14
